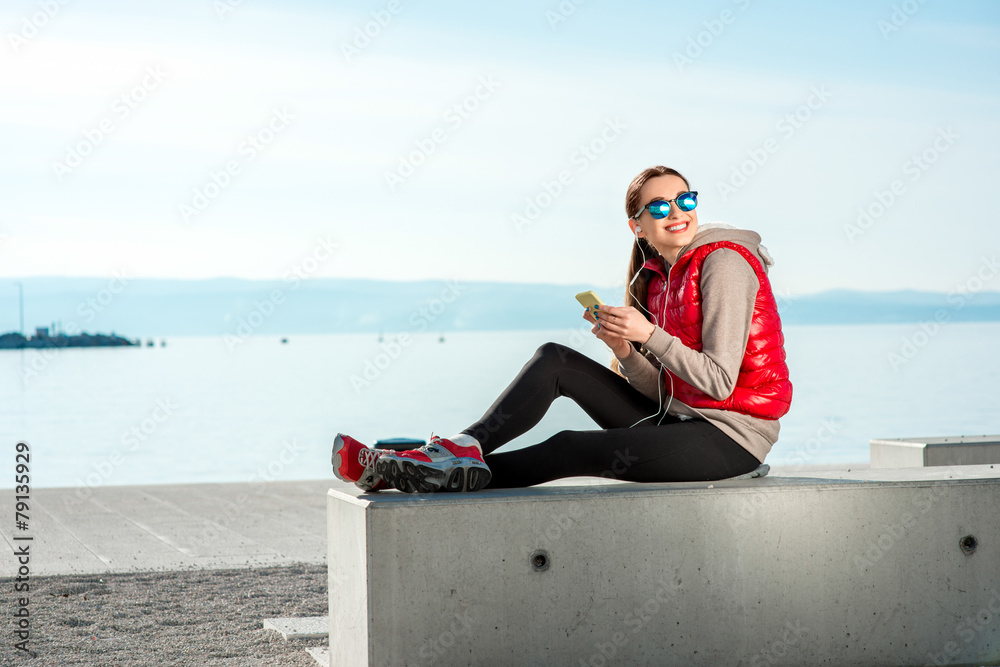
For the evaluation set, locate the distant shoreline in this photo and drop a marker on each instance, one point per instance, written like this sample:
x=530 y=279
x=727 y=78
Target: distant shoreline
x=242 y=308
x=390 y=334
x=16 y=341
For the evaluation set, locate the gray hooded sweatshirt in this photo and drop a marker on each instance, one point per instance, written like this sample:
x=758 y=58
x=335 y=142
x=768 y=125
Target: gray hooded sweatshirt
x=729 y=288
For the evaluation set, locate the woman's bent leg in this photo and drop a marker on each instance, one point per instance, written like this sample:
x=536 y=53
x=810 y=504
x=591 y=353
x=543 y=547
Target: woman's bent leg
x=556 y=370
x=679 y=451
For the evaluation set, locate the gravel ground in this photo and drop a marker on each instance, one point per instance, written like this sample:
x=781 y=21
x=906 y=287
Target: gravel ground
x=204 y=617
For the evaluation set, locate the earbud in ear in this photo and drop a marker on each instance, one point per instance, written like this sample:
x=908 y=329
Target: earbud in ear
x=638 y=229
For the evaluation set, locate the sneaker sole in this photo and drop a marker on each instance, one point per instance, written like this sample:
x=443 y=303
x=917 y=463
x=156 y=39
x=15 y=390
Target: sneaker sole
x=336 y=460
x=338 y=446
x=409 y=476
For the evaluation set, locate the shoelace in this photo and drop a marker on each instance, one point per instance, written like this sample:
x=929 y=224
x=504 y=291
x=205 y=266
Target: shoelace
x=368 y=457
x=432 y=444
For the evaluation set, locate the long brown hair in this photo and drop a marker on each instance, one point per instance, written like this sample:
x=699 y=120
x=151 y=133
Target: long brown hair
x=640 y=288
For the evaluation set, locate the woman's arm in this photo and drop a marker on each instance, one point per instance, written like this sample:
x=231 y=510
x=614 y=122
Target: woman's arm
x=729 y=288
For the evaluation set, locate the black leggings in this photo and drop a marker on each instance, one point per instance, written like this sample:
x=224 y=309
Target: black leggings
x=674 y=451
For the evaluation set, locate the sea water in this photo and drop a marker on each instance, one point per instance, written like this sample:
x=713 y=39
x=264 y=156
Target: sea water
x=207 y=409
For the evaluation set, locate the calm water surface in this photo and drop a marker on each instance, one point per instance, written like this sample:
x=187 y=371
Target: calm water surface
x=198 y=411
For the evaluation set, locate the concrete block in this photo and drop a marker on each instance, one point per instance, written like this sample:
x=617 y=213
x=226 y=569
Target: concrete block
x=320 y=654
x=305 y=627
x=771 y=571
x=917 y=452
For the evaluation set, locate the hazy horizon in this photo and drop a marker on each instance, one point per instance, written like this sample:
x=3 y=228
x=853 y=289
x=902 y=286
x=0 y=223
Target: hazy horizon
x=242 y=308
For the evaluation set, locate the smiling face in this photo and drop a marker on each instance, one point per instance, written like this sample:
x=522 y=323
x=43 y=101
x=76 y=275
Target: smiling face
x=668 y=235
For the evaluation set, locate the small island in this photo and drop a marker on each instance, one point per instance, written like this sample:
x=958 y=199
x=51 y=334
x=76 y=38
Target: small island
x=16 y=341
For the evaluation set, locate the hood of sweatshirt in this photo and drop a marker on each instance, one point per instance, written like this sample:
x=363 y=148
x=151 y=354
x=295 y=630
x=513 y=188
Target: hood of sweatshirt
x=711 y=232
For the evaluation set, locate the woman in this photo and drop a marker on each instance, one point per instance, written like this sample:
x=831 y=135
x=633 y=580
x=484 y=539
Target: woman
x=699 y=331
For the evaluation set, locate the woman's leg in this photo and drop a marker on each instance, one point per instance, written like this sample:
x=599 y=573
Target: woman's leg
x=556 y=370
x=676 y=451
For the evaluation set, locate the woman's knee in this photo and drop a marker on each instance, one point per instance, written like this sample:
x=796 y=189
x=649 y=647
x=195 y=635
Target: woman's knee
x=553 y=353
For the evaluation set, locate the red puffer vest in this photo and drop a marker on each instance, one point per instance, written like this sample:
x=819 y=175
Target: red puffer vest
x=762 y=386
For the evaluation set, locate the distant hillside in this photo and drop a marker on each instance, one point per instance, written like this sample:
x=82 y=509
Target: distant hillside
x=221 y=306
x=856 y=307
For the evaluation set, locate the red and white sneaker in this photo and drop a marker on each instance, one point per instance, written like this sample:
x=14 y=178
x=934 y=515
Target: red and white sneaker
x=354 y=462
x=440 y=465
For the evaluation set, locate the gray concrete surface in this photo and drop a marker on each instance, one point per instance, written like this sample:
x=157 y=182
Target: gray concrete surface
x=299 y=627
x=320 y=655
x=958 y=450
x=170 y=527
x=818 y=566
x=192 y=526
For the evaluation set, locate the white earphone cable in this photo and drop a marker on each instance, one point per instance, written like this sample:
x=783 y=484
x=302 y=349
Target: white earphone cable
x=659 y=391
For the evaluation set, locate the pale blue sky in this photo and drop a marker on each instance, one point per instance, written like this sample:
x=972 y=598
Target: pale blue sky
x=879 y=97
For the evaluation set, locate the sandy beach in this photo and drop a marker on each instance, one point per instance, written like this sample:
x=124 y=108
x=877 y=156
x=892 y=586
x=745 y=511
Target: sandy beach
x=199 y=617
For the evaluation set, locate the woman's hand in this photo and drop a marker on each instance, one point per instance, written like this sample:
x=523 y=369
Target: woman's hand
x=625 y=322
x=618 y=326
x=619 y=346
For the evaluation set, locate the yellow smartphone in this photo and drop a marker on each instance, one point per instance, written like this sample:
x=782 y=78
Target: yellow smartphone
x=588 y=300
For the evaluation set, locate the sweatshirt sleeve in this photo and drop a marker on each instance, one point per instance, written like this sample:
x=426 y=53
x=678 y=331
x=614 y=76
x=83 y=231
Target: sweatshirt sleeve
x=729 y=288
x=641 y=373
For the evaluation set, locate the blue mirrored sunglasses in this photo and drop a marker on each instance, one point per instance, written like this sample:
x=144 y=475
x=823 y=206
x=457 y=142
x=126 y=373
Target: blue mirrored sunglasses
x=660 y=208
